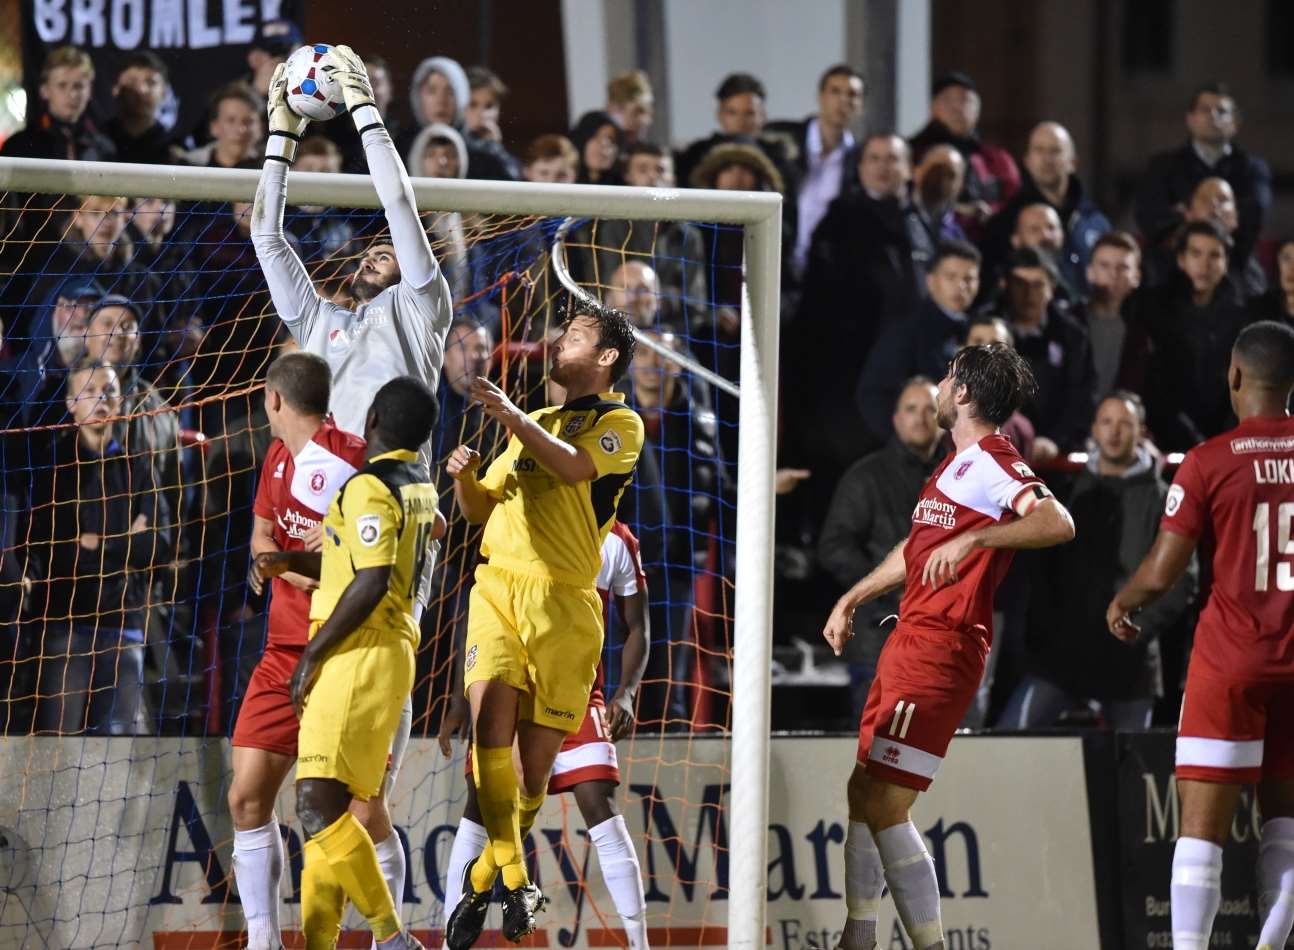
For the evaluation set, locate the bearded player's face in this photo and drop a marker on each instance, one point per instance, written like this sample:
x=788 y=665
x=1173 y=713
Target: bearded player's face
x=377 y=271
x=946 y=403
x=575 y=353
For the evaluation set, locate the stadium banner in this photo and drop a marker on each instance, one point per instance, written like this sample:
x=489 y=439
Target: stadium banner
x=204 y=43
x=108 y=840
x=1148 y=825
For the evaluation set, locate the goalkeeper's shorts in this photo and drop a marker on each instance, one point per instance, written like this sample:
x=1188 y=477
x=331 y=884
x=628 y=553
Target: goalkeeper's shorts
x=353 y=710
x=539 y=636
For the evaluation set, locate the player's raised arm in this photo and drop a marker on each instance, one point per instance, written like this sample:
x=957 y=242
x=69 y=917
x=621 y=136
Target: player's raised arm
x=886 y=576
x=418 y=266
x=293 y=293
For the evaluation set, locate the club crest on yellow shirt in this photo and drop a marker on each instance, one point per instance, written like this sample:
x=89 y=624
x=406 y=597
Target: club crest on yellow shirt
x=573 y=425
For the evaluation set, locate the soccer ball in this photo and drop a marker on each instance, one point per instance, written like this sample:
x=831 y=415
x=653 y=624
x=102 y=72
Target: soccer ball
x=311 y=93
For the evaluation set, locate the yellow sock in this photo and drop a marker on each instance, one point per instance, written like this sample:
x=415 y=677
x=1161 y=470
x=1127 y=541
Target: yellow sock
x=529 y=808
x=322 y=900
x=353 y=861
x=496 y=794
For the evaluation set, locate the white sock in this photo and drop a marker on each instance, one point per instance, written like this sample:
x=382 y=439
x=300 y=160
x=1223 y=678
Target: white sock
x=469 y=842
x=258 y=864
x=910 y=873
x=1276 y=882
x=623 y=877
x=864 y=882
x=1196 y=892
x=390 y=858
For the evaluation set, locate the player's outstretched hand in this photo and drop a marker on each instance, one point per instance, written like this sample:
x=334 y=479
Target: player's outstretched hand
x=941 y=565
x=463 y=462
x=494 y=401
x=619 y=716
x=343 y=65
x=1120 y=622
x=840 y=627
x=457 y=724
x=283 y=119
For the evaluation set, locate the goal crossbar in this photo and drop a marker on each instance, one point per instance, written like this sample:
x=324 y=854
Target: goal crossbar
x=760 y=215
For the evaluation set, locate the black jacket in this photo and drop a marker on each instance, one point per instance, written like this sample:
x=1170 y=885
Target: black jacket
x=47 y=137
x=1173 y=175
x=75 y=493
x=870 y=513
x=1117 y=519
x=922 y=343
x=1060 y=355
x=1176 y=356
x=153 y=147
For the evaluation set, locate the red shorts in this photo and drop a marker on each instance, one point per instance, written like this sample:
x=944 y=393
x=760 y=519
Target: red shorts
x=266 y=719
x=1234 y=731
x=586 y=755
x=925 y=681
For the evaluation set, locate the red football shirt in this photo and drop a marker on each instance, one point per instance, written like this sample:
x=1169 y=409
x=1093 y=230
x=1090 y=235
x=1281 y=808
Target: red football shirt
x=1238 y=490
x=621 y=574
x=295 y=493
x=977 y=487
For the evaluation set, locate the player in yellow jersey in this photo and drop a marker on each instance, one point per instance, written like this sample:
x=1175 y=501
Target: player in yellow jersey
x=534 y=622
x=351 y=681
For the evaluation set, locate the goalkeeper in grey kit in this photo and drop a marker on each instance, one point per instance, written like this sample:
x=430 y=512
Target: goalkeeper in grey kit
x=398 y=328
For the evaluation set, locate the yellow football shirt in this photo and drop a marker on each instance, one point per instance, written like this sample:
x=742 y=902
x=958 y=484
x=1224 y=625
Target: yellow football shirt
x=383 y=515
x=545 y=527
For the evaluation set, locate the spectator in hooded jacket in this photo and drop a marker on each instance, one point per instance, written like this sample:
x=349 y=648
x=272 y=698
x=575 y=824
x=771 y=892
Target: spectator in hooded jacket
x=60 y=128
x=992 y=177
x=1071 y=660
x=441 y=92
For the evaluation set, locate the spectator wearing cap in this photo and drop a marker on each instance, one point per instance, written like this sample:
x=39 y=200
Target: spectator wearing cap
x=741 y=117
x=631 y=103
x=598 y=140
x=1055 y=345
x=1050 y=179
x=441 y=92
x=99 y=528
x=1179 y=342
x=1210 y=151
x=60 y=127
x=822 y=142
x=137 y=94
x=992 y=177
x=34 y=386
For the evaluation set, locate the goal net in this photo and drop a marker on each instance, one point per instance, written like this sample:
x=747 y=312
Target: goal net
x=131 y=626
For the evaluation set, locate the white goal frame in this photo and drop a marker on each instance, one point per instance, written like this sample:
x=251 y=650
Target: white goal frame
x=760 y=215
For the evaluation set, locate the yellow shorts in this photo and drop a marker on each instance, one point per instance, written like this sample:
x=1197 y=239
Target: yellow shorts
x=353 y=710
x=539 y=636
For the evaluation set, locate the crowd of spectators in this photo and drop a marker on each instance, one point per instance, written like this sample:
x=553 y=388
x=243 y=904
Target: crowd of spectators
x=897 y=252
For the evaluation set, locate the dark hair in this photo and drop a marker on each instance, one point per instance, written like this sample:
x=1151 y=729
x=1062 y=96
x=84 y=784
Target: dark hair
x=1266 y=349
x=964 y=250
x=885 y=136
x=840 y=69
x=549 y=146
x=643 y=148
x=1032 y=257
x=1209 y=88
x=234 y=90
x=143 y=59
x=1120 y=241
x=478 y=77
x=919 y=380
x=614 y=331
x=87 y=365
x=303 y=380
x=376 y=62
x=997 y=380
x=1207 y=229
x=406 y=412
x=991 y=320
x=739 y=84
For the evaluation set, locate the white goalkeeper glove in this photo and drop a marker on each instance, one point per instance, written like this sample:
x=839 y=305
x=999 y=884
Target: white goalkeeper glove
x=342 y=65
x=286 y=127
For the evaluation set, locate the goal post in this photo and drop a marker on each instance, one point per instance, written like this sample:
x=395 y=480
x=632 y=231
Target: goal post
x=759 y=215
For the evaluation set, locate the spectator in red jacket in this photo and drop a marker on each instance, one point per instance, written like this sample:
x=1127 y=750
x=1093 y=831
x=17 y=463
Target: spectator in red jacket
x=992 y=177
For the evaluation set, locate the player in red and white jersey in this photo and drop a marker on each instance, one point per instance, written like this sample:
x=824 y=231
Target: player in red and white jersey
x=309 y=460
x=586 y=765
x=981 y=504
x=1237 y=719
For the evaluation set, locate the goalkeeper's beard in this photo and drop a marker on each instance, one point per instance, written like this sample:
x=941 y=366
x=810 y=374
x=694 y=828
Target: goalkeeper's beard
x=365 y=289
